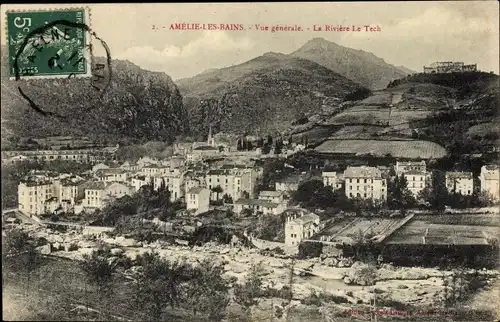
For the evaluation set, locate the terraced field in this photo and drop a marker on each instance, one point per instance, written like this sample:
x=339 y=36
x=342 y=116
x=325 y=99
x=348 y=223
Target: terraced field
x=411 y=149
x=347 y=230
x=428 y=232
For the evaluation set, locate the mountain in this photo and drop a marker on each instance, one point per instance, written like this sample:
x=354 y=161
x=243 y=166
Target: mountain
x=138 y=106
x=260 y=96
x=360 y=66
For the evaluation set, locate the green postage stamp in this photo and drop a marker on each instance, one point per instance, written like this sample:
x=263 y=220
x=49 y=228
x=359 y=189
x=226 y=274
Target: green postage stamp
x=48 y=44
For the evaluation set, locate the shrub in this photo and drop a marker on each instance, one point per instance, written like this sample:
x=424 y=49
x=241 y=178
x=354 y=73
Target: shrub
x=312 y=299
x=309 y=250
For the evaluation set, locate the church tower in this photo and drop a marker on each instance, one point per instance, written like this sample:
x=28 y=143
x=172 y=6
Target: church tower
x=210 y=140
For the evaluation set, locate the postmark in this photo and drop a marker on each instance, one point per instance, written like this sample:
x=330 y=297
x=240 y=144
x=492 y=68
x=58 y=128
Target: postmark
x=55 y=44
x=48 y=44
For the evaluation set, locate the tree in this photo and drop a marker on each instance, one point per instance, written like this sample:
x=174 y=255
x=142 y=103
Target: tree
x=99 y=270
x=278 y=146
x=158 y=284
x=227 y=198
x=217 y=190
x=245 y=294
x=313 y=194
x=398 y=194
x=436 y=194
x=266 y=148
x=309 y=249
x=207 y=292
x=269 y=140
x=20 y=254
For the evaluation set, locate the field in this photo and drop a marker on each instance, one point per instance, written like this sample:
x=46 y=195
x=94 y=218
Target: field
x=411 y=149
x=357 y=115
x=346 y=230
x=462 y=229
x=484 y=129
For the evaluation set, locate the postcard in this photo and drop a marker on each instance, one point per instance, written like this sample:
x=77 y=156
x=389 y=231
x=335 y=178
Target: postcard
x=322 y=161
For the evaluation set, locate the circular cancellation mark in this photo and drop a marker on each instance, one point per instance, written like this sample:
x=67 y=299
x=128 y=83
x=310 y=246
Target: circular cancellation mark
x=101 y=74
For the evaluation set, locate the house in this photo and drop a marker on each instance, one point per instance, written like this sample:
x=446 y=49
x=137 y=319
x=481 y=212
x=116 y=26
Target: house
x=174 y=182
x=272 y=196
x=365 y=182
x=236 y=183
x=32 y=193
x=139 y=181
x=130 y=166
x=417 y=180
x=112 y=175
x=100 y=166
x=191 y=183
x=332 y=179
x=329 y=179
x=15 y=159
x=298 y=228
x=460 y=183
x=177 y=161
x=198 y=199
x=153 y=169
x=403 y=167
x=99 y=194
x=145 y=161
x=94 y=195
x=257 y=205
x=67 y=189
x=288 y=184
x=489 y=178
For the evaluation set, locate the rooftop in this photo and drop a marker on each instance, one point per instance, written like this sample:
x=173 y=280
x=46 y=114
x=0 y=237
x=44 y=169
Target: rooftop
x=256 y=202
x=306 y=219
x=416 y=172
x=362 y=172
x=195 y=190
x=462 y=175
x=92 y=185
x=270 y=193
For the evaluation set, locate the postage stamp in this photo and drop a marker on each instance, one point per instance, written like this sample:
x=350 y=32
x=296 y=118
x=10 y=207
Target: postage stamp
x=48 y=44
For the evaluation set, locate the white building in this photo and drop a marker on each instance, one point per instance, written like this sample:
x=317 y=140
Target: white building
x=233 y=182
x=490 y=177
x=288 y=184
x=272 y=196
x=112 y=175
x=32 y=194
x=365 y=182
x=198 y=199
x=407 y=166
x=174 y=182
x=100 y=194
x=300 y=228
x=417 y=180
x=191 y=183
x=332 y=179
x=257 y=205
x=460 y=183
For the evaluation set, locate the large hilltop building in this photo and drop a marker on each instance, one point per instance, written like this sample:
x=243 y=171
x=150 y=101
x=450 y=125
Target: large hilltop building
x=449 y=67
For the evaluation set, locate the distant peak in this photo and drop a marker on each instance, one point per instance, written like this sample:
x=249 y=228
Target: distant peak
x=320 y=40
x=273 y=54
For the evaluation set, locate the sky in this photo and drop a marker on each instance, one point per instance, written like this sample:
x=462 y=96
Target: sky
x=412 y=34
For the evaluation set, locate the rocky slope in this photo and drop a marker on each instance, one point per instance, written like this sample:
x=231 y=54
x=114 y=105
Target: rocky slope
x=360 y=66
x=263 y=95
x=139 y=105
